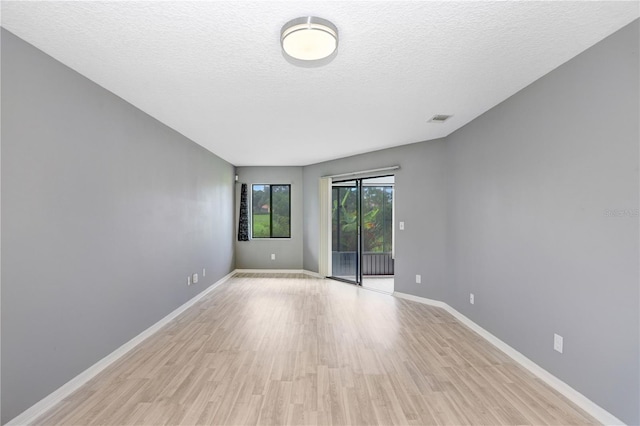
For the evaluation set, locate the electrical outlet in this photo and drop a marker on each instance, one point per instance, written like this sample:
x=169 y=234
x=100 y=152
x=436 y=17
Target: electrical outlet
x=472 y=299
x=558 y=343
x=204 y=272
x=401 y=225
x=195 y=278
x=418 y=279
x=188 y=279
x=273 y=256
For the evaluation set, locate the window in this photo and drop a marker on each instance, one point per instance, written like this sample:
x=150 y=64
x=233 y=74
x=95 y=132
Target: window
x=271 y=211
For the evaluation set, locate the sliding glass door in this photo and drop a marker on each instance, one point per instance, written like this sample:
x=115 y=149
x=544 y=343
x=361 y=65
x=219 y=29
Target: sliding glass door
x=345 y=231
x=362 y=231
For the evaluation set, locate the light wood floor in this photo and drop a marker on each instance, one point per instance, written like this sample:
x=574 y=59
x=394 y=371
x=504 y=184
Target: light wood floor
x=383 y=284
x=298 y=350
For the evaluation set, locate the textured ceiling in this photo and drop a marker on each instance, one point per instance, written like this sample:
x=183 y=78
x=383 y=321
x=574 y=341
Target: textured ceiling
x=214 y=71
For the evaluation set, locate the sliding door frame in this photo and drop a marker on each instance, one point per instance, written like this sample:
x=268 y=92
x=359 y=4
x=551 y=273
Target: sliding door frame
x=325 y=203
x=358 y=182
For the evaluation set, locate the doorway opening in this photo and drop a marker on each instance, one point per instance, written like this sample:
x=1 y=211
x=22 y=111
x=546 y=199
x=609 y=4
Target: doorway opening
x=362 y=239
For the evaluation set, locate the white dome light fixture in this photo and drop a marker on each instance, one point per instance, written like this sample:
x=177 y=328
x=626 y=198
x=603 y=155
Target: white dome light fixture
x=309 y=40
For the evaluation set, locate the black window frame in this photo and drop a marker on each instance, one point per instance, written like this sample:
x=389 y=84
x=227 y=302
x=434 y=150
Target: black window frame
x=271 y=185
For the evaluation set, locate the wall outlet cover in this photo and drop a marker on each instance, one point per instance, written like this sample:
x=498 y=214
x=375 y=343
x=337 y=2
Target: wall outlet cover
x=195 y=278
x=472 y=298
x=558 y=343
x=418 y=279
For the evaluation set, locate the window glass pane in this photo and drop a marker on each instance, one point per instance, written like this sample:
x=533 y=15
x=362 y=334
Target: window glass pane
x=335 y=219
x=371 y=215
x=348 y=206
x=280 y=211
x=260 y=211
x=377 y=214
x=387 y=203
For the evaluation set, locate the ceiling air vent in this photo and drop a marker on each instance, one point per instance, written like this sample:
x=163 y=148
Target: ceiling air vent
x=439 y=118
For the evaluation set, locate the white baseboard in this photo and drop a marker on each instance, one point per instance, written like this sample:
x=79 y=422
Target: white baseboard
x=422 y=300
x=570 y=393
x=41 y=407
x=279 y=271
x=312 y=274
x=269 y=271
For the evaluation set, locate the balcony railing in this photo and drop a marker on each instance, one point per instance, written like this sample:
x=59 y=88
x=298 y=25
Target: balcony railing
x=344 y=263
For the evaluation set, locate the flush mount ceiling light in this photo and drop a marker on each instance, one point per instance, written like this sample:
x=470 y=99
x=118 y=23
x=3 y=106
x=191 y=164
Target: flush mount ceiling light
x=309 y=39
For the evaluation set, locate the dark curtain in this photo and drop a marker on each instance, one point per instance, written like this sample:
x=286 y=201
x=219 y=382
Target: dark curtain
x=243 y=226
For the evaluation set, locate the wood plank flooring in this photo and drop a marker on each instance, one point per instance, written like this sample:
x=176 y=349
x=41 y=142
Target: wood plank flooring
x=304 y=351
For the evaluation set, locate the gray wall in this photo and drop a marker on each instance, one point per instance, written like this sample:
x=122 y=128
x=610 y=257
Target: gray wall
x=256 y=254
x=420 y=202
x=531 y=183
x=105 y=211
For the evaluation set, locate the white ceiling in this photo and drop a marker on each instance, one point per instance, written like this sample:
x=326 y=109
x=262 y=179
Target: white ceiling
x=214 y=71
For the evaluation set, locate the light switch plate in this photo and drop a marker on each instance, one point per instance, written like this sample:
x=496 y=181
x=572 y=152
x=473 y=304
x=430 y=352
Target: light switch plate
x=558 y=343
